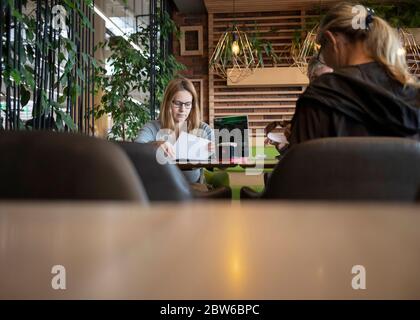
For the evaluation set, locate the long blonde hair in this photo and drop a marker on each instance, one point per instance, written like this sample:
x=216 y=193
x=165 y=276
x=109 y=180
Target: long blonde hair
x=166 y=118
x=380 y=39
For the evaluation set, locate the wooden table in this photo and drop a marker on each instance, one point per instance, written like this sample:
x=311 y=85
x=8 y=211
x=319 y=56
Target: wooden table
x=272 y=250
x=248 y=163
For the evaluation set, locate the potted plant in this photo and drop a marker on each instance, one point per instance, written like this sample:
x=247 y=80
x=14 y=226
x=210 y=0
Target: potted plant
x=125 y=89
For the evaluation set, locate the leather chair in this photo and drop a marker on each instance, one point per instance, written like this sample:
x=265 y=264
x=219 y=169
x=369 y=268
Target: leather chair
x=165 y=182
x=42 y=165
x=350 y=168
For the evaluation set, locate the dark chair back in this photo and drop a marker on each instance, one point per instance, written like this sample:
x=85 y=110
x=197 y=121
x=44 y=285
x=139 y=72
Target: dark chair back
x=368 y=168
x=42 y=165
x=162 y=182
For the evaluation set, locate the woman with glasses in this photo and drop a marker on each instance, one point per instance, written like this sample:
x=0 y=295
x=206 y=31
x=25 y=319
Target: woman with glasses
x=370 y=92
x=179 y=112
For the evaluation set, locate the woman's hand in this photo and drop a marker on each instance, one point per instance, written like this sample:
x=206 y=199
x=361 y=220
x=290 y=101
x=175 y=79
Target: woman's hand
x=166 y=147
x=288 y=131
x=211 y=147
x=270 y=127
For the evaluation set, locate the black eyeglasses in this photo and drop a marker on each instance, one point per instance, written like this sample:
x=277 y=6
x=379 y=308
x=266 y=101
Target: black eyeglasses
x=319 y=56
x=178 y=104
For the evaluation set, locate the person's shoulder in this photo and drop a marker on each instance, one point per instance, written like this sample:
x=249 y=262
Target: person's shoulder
x=155 y=123
x=328 y=77
x=206 y=129
x=320 y=92
x=152 y=124
x=340 y=80
x=365 y=72
x=204 y=126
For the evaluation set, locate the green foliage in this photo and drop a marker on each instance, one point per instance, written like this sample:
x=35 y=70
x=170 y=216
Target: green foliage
x=217 y=178
x=399 y=14
x=131 y=71
x=262 y=46
x=20 y=72
x=403 y=14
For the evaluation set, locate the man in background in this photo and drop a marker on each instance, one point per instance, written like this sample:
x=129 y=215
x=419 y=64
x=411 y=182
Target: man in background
x=315 y=69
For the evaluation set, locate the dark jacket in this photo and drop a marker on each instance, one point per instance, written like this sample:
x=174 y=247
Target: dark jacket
x=361 y=100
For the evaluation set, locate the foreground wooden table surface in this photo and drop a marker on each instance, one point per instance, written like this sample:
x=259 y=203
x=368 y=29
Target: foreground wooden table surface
x=277 y=250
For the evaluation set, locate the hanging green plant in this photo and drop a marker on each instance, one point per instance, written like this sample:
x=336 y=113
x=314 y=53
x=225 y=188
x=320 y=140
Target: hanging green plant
x=401 y=14
x=263 y=47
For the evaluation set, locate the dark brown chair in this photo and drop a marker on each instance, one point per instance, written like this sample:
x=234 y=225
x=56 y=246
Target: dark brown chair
x=165 y=182
x=42 y=165
x=353 y=168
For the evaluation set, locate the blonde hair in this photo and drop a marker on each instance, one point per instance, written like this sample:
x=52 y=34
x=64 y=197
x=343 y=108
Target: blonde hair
x=166 y=118
x=380 y=39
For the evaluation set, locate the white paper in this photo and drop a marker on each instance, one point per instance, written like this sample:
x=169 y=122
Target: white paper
x=191 y=147
x=277 y=137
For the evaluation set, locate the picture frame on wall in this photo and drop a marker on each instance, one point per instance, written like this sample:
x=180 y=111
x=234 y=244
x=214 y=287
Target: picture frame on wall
x=191 y=40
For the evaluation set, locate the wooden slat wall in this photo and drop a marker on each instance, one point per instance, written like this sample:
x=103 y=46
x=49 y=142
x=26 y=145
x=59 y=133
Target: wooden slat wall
x=214 y=6
x=262 y=104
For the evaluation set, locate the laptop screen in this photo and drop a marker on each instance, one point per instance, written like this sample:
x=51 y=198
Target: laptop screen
x=233 y=129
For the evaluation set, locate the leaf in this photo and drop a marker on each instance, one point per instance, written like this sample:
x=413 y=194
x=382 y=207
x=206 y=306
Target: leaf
x=59 y=121
x=89 y=2
x=17 y=15
x=80 y=74
x=29 y=76
x=30 y=53
x=15 y=76
x=63 y=117
x=70 y=4
x=70 y=46
x=95 y=62
x=61 y=99
x=30 y=35
x=44 y=103
x=21 y=125
x=64 y=79
x=61 y=57
x=25 y=95
x=86 y=21
x=69 y=122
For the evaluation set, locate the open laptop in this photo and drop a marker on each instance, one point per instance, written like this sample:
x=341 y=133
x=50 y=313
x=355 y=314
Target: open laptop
x=233 y=124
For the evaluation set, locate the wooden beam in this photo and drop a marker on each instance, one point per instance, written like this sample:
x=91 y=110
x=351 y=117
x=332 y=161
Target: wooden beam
x=282 y=76
x=216 y=6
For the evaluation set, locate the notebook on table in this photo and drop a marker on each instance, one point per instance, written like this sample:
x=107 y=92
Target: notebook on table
x=189 y=147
